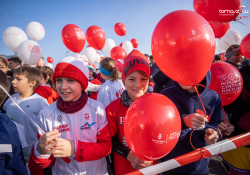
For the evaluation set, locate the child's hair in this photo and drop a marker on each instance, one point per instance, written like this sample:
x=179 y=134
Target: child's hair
x=142 y=73
x=47 y=75
x=15 y=60
x=5 y=83
x=31 y=73
x=4 y=61
x=232 y=47
x=217 y=57
x=109 y=64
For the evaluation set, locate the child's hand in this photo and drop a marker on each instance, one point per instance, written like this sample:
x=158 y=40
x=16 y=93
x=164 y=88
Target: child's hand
x=64 y=148
x=135 y=161
x=46 y=142
x=210 y=136
x=146 y=164
x=195 y=120
x=229 y=129
x=222 y=126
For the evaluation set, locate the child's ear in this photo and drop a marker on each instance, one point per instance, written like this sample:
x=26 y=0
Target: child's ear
x=33 y=83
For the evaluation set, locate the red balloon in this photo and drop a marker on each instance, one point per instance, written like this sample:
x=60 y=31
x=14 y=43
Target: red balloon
x=50 y=60
x=183 y=53
x=120 y=29
x=118 y=53
x=220 y=29
x=223 y=56
x=73 y=38
x=218 y=10
x=226 y=80
x=119 y=64
x=96 y=37
x=121 y=44
x=134 y=43
x=6 y=59
x=152 y=129
x=245 y=46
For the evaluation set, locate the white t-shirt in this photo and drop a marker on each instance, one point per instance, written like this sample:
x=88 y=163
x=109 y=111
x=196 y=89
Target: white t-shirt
x=110 y=91
x=31 y=106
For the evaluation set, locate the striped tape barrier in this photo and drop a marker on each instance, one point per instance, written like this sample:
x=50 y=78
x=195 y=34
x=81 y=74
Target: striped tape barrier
x=207 y=151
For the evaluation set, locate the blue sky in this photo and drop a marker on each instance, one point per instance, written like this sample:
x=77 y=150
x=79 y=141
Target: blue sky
x=139 y=16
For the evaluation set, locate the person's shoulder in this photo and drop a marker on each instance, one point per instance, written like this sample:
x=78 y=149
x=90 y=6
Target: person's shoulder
x=48 y=109
x=168 y=90
x=212 y=93
x=95 y=104
x=4 y=118
x=114 y=104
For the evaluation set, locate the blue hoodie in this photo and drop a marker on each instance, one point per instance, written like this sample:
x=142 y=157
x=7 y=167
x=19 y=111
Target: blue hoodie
x=188 y=103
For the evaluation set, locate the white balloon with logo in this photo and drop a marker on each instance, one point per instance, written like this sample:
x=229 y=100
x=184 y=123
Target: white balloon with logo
x=90 y=53
x=35 y=30
x=13 y=37
x=109 y=45
x=231 y=37
x=127 y=46
x=30 y=52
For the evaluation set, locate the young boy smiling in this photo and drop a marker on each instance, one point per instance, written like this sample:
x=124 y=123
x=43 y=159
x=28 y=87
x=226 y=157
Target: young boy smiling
x=77 y=137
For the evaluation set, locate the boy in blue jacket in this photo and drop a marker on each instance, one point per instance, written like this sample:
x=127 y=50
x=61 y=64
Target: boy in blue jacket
x=187 y=101
x=11 y=155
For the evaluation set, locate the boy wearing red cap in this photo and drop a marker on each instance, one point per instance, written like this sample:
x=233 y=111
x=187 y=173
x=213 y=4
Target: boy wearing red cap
x=77 y=137
x=135 y=76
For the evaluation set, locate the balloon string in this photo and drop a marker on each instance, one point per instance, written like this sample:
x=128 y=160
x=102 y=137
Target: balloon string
x=208 y=117
x=243 y=23
x=230 y=45
x=21 y=109
x=127 y=37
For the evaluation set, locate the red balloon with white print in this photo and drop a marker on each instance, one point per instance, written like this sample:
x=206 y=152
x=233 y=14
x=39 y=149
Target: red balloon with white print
x=245 y=46
x=120 y=29
x=220 y=28
x=152 y=126
x=218 y=10
x=184 y=50
x=95 y=37
x=73 y=38
x=227 y=81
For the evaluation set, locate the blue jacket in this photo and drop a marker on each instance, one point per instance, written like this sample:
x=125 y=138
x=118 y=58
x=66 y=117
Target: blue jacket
x=12 y=159
x=188 y=103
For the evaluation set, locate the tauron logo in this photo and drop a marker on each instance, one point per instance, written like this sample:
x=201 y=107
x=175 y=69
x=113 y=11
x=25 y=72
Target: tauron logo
x=87 y=125
x=193 y=32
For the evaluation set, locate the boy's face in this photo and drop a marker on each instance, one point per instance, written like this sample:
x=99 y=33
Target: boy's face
x=68 y=89
x=189 y=88
x=13 y=65
x=236 y=58
x=136 y=85
x=3 y=67
x=22 y=85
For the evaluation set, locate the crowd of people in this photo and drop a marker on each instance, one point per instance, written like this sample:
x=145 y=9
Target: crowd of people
x=70 y=119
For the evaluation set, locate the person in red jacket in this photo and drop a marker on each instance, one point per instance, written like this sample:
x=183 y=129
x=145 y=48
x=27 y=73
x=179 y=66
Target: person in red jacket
x=92 y=80
x=135 y=77
x=46 y=87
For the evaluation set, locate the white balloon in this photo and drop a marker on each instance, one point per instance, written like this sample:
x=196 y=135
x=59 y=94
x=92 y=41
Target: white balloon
x=49 y=65
x=83 y=58
x=98 y=58
x=13 y=37
x=127 y=46
x=109 y=45
x=35 y=30
x=218 y=48
x=90 y=53
x=231 y=37
x=30 y=52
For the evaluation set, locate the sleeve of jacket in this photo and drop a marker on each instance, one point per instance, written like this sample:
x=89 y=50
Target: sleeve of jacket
x=118 y=147
x=86 y=151
x=11 y=156
x=159 y=77
x=41 y=161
